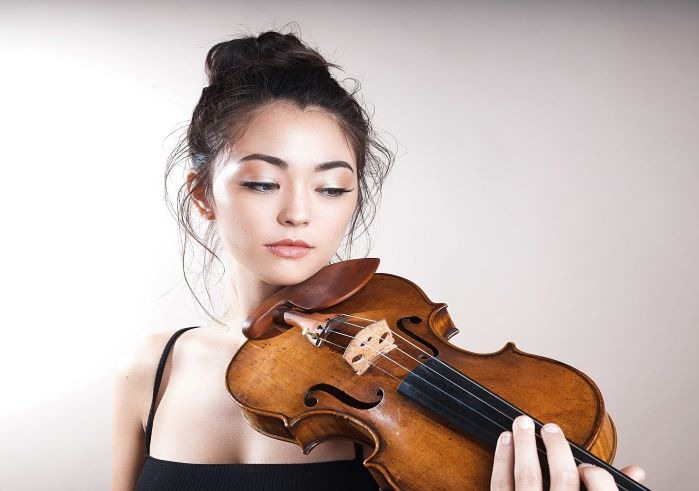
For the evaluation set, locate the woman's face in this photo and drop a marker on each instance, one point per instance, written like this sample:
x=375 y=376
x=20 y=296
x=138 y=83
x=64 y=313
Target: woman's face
x=291 y=175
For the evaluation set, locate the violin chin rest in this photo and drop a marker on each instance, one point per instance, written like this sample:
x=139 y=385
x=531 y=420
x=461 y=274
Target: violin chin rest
x=329 y=286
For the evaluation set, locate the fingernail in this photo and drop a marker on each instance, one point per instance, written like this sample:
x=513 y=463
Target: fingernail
x=551 y=428
x=583 y=466
x=525 y=422
x=506 y=438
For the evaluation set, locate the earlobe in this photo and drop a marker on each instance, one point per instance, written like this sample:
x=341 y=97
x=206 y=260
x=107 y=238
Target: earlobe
x=207 y=213
x=196 y=193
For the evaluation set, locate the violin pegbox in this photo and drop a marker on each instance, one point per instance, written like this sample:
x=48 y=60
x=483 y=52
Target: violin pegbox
x=370 y=343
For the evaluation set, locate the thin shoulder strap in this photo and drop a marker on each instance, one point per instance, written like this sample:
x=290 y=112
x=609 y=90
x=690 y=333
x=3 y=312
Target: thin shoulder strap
x=158 y=378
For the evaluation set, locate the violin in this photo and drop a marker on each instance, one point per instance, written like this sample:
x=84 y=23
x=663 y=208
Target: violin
x=354 y=354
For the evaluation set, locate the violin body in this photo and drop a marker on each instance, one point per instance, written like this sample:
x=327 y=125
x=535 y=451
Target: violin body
x=294 y=390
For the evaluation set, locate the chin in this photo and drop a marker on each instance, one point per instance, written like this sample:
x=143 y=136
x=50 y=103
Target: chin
x=293 y=272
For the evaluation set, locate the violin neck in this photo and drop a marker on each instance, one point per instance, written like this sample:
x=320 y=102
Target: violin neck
x=468 y=407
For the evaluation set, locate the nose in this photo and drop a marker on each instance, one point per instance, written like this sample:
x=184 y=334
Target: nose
x=295 y=209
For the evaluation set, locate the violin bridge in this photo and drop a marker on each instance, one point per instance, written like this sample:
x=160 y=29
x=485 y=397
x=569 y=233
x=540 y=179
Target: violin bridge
x=370 y=343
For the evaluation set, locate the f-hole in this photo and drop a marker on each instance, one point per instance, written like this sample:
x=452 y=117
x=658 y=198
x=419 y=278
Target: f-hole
x=413 y=319
x=309 y=400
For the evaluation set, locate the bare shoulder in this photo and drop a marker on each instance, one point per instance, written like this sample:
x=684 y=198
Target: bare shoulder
x=133 y=389
x=135 y=371
x=140 y=360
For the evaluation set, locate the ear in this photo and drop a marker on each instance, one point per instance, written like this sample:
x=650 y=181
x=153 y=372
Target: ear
x=198 y=197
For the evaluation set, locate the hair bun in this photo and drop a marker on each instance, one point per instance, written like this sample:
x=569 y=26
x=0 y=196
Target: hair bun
x=269 y=50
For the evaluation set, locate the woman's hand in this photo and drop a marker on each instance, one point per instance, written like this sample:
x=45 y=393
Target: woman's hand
x=517 y=466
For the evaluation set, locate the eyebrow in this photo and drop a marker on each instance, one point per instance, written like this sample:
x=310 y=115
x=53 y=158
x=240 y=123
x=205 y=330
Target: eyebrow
x=284 y=165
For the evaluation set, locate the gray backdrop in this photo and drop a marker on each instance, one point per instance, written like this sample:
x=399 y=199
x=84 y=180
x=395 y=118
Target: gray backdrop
x=545 y=188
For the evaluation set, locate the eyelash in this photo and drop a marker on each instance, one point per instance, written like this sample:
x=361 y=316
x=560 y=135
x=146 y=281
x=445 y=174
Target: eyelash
x=254 y=185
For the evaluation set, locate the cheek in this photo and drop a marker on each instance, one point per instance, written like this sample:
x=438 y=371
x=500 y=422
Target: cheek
x=337 y=219
x=239 y=220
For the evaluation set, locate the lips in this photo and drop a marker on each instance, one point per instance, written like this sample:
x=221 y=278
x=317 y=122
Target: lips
x=289 y=248
x=290 y=242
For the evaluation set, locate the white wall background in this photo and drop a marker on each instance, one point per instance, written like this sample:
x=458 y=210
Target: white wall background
x=546 y=189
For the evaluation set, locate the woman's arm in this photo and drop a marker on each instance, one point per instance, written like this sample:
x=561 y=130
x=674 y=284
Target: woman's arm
x=133 y=390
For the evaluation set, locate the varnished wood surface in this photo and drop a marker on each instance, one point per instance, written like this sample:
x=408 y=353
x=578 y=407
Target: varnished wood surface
x=411 y=450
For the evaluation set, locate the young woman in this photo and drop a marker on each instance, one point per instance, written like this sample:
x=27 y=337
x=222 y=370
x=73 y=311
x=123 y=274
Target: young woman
x=282 y=164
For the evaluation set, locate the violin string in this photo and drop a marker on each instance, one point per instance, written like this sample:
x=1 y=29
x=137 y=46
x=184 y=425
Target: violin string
x=430 y=368
x=429 y=383
x=434 y=371
x=536 y=423
x=424 y=380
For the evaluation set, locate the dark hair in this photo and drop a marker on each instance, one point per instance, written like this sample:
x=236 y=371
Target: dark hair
x=245 y=74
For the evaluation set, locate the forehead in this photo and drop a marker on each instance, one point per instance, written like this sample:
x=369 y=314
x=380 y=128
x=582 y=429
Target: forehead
x=301 y=136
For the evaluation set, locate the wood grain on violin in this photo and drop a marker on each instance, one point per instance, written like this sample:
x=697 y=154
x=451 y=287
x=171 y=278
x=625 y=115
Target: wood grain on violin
x=354 y=354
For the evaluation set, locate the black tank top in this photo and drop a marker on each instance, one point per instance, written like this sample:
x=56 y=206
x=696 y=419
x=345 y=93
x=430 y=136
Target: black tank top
x=157 y=474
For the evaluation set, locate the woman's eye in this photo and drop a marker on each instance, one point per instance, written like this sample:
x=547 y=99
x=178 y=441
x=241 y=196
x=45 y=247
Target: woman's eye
x=263 y=187
x=267 y=187
x=335 y=192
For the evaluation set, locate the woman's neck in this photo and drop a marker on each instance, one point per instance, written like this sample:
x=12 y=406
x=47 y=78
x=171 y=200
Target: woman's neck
x=246 y=293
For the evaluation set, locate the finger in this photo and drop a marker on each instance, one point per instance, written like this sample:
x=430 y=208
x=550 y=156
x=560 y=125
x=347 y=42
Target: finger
x=596 y=478
x=502 y=478
x=635 y=472
x=564 y=474
x=527 y=467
